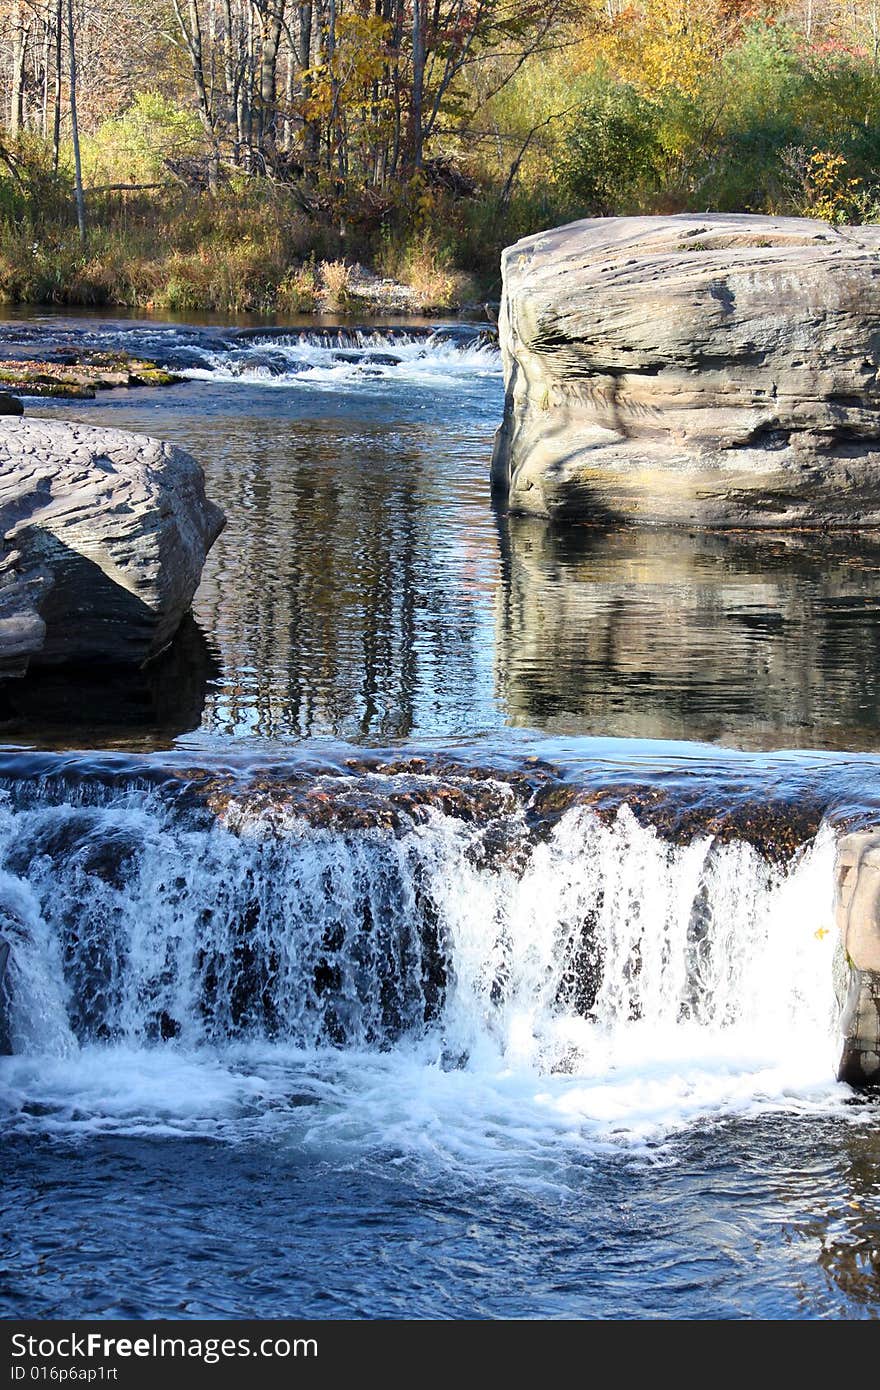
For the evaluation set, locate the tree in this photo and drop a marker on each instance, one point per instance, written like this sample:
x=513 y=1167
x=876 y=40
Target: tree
x=74 y=129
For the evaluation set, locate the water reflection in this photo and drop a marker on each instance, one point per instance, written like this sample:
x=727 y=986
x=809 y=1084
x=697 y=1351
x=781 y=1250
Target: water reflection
x=850 y=1231
x=754 y=641
x=364 y=588
x=342 y=592
x=163 y=699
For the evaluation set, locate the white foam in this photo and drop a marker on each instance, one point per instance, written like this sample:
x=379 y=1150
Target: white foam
x=615 y=992
x=432 y=362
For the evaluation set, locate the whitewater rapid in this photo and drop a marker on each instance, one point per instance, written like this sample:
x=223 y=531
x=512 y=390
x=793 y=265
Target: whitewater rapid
x=411 y=992
x=354 y=360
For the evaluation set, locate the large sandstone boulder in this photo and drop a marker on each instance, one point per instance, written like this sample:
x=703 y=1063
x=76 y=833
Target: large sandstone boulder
x=713 y=371
x=103 y=535
x=858 y=919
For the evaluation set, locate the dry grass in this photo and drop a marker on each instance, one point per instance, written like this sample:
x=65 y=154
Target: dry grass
x=249 y=249
x=428 y=270
x=300 y=290
x=335 y=284
x=232 y=254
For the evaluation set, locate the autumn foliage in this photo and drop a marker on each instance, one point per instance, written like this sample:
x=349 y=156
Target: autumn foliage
x=231 y=148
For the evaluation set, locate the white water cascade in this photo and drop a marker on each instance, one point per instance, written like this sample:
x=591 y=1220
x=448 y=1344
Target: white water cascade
x=353 y=361
x=179 y=966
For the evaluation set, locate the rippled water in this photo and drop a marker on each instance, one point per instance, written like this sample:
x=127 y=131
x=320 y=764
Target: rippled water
x=401 y=1041
x=722 y=1229
x=364 y=588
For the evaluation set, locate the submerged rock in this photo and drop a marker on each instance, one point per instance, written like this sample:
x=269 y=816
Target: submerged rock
x=858 y=918
x=104 y=535
x=713 y=371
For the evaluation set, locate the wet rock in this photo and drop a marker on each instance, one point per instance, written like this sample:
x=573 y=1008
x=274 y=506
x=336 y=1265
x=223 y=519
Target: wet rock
x=104 y=535
x=858 y=919
x=22 y=630
x=79 y=375
x=10 y=405
x=714 y=371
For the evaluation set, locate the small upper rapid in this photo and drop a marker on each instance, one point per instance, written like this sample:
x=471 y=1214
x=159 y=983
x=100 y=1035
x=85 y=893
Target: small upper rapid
x=332 y=357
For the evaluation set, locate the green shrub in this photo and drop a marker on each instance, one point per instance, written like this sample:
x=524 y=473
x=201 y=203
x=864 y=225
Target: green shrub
x=612 y=150
x=134 y=147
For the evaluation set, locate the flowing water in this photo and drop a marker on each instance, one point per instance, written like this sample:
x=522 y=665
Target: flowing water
x=436 y=929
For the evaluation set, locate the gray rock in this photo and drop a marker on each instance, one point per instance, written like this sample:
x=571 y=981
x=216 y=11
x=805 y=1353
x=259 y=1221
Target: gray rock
x=710 y=371
x=103 y=536
x=10 y=405
x=858 y=901
x=858 y=919
x=22 y=630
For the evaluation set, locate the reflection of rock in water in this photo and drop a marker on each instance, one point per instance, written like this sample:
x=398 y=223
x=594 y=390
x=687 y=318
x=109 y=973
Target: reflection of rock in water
x=849 y=1231
x=166 y=696
x=771 y=641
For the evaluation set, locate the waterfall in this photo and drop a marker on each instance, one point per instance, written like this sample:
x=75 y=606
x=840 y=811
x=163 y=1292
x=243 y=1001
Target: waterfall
x=343 y=360
x=137 y=920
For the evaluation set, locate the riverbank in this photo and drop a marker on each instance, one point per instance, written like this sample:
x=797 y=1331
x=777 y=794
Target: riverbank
x=238 y=253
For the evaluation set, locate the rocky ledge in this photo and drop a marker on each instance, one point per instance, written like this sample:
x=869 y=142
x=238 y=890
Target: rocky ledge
x=715 y=371
x=79 y=375
x=103 y=536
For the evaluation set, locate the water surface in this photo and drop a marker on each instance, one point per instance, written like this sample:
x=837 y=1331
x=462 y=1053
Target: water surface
x=329 y=1000
x=365 y=589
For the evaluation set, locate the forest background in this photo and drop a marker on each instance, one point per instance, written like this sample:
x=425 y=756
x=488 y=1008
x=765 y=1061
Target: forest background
x=246 y=155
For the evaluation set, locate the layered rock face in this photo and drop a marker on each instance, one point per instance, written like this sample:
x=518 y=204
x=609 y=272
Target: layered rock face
x=103 y=536
x=858 y=918
x=710 y=371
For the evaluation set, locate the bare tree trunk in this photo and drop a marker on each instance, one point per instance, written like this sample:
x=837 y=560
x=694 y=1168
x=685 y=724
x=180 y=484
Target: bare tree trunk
x=418 y=85
x=288 y=100
x=270 y=39
x=19 y=49
x=231 y=79
x=74 y=125
x=334 y=89
x=247 y=94
x=311 y=130
x=44 y=86
x=59 y=63
x=191 y=29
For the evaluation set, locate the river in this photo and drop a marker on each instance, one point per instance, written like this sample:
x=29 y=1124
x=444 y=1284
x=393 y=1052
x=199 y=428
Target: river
x=442 y=927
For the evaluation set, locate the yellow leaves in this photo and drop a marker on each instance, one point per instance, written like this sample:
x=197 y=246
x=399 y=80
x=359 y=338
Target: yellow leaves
x=831 y=196
x=667 y=43
x=318 y=82
x=359 y=59
x=363 y=42
x=346 y=80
